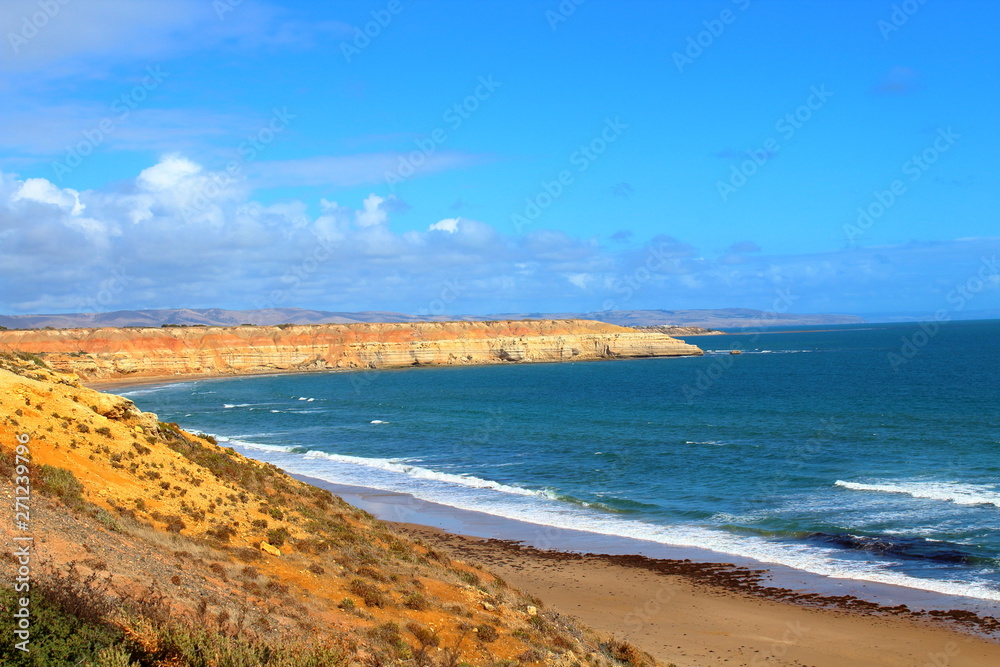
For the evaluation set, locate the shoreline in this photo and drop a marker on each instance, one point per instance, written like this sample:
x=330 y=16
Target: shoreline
x=126 y=382
x=762 y=579
x=721 y=588
x=689 y=612
x=686 y=616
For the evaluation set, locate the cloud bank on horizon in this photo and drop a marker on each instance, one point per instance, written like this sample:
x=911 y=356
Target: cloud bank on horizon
x=398 y=156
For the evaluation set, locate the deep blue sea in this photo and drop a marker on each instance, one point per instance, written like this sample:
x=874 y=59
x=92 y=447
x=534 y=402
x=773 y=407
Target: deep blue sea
x=869 y=453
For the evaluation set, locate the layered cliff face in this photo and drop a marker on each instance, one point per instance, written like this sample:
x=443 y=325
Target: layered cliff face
x=97 y=354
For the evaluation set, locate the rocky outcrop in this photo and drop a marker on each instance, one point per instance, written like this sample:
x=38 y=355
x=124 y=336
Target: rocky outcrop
x=97 y=354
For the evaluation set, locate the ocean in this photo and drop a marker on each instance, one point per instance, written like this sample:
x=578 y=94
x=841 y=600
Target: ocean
x=866 y=453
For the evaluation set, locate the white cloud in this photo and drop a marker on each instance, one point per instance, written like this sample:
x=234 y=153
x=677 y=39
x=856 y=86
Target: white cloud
x=372 y=214
x=45 y=192
x=170 y=172
x=184 y=242
x=449 y=225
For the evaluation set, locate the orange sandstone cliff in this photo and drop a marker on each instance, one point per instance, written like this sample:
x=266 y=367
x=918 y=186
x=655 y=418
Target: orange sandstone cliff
x=96 y=354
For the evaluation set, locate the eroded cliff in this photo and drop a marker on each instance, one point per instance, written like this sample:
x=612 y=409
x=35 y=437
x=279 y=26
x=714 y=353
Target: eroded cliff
x=98 y=354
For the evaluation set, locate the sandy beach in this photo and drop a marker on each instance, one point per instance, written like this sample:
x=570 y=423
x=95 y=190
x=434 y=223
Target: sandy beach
x=695 y=617
x=699 y=611
x=118 y=383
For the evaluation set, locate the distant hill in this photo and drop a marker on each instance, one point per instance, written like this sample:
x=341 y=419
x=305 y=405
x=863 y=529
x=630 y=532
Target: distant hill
x=719 y=318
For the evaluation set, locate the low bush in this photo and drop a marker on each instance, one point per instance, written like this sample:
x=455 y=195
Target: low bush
x=61 y=483
x=371 y=594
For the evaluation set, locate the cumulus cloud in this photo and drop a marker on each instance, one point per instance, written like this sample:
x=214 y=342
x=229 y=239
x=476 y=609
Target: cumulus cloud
x=173 y=237
x=45 y=192
x=372 y=214
x=449 y=225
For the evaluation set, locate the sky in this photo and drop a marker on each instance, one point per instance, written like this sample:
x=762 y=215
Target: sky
x=499 y=156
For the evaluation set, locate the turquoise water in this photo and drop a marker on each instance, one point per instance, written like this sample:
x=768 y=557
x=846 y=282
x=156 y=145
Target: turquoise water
x=819 y=450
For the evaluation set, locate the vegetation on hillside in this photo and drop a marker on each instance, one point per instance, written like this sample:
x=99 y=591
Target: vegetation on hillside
x=163 y=548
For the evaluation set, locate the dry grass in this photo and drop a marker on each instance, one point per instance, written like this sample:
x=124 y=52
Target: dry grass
x=343 y=581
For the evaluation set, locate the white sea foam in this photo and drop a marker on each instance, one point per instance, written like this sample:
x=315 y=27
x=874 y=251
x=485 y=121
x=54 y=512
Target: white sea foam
x=960 y=494
x=542 y=507
x=378 y=421
x=242 y=441
x=152 y=390
x=417 y=472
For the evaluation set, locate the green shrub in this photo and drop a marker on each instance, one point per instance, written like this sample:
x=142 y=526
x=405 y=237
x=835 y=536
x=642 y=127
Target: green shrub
x=277 y=536
x=106 y=519
x=470 y=578
x=389 y=634
x=60 y=483
x=67 y=627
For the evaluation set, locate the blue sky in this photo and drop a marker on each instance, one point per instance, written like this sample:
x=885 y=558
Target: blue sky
x=499 y=156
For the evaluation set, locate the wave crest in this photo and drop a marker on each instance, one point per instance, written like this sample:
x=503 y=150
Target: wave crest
x=960 y=494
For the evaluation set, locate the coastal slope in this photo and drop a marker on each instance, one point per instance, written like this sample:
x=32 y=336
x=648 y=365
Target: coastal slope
x=106 y=354
x=153 y=546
